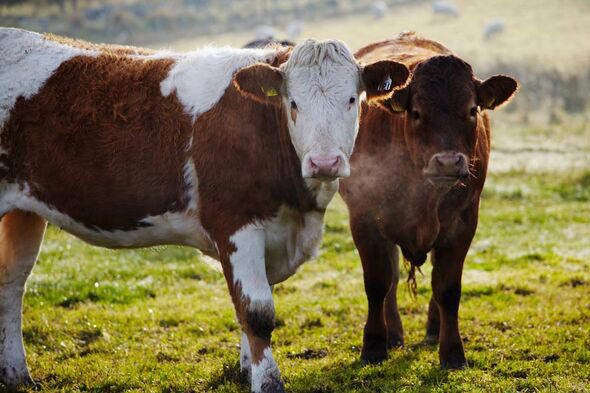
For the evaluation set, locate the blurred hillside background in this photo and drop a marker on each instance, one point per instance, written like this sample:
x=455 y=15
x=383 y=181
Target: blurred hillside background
x=544 y=43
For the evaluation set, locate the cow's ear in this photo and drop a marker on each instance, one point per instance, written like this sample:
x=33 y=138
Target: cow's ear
x=260 y=82
x=495 y=91
x=381 y=78
x=398 y=102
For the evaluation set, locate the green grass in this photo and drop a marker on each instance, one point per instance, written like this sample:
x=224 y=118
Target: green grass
x=160 y=320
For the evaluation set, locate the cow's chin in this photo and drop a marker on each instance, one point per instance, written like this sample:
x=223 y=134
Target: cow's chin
x=444 y=182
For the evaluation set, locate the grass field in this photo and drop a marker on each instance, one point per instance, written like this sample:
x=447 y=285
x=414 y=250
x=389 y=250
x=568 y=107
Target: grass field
x=160 y=320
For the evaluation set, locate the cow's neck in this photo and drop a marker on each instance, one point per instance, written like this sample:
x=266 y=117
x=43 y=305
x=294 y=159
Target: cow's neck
x=419 y=206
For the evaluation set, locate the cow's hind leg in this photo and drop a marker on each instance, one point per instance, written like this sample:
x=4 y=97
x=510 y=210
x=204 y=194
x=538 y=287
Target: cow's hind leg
x=433 y=323
x=21 y=234
x=377 y=274
x=395 y=331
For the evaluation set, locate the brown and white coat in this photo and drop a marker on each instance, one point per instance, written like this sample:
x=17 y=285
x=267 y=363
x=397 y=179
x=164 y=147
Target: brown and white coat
x=125 y=147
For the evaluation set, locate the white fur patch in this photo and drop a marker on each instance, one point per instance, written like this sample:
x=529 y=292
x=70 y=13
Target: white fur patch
x=200 y=78
x=321 y=78
x=266 y=368
x=245 y=356
x=248 y=266
x=27 y=60
x=191 y=181
x=290 y=242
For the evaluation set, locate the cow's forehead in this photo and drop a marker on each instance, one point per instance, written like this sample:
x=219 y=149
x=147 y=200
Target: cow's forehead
x=331 y=80
x=320 y=65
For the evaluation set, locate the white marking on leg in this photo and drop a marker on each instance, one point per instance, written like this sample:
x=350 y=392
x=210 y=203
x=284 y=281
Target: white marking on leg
x=16 y=262
x=248 y=267
x=265 y=372
x=200 y=78
x=245 y=357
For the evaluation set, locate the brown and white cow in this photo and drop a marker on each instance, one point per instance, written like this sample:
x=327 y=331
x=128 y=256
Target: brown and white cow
x=418 y=169
x=125 y=147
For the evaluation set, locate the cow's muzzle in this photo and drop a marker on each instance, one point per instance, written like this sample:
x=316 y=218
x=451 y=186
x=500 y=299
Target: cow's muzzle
x=447 y=168
x=325 y=167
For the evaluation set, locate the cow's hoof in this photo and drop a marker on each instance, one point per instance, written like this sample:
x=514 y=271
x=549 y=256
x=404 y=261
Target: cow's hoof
x=431 y=339
x=10 y=377
x=395 y=342
x=246 y=375
x=273 y=384
x=454 y=362
x=374 y=356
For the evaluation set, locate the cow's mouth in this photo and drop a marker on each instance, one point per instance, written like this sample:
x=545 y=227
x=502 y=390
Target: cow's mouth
x=325 y=177
x=444 y=181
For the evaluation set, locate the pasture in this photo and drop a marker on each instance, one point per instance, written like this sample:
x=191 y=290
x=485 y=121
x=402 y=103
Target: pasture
x=161 y=319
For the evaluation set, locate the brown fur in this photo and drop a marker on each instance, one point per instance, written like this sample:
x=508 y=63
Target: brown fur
x=112 y=49
x=392 y=203
x=100 y=144
x=20 y=236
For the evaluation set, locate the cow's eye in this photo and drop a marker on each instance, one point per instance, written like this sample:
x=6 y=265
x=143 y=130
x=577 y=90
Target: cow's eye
x=352 y=100
x=293 y=105
x=473 y=111
x=415 y=115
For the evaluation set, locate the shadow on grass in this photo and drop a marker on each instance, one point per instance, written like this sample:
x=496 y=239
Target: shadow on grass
x=344 y=376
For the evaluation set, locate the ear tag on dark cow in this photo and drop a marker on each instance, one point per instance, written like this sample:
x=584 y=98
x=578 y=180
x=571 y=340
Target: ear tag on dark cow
x=386 y=85
x=271 y=92
x=395 y=106
x=490 y=102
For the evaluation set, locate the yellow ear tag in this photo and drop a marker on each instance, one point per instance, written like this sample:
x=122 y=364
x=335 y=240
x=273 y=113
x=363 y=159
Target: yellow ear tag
x=490 y=102
x=272 y=92
x=395 y=106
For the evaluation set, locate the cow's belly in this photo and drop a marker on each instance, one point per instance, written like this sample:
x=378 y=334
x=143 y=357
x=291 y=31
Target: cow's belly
x=181 y=228
x=292 y=238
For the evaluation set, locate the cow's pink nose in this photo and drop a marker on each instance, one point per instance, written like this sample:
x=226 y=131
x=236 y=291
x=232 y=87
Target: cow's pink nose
x=324 y=166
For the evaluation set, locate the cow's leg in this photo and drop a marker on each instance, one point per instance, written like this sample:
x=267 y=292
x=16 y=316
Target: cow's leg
x=252 y=296
x=395 y=331
x=21 y=234
x=245 y=356
x=433 y=323
x=377 y=274
x=446 y=289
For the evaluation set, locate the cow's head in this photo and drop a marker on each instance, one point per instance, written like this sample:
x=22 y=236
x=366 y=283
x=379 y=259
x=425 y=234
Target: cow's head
x=320 y=87
x=442 y=106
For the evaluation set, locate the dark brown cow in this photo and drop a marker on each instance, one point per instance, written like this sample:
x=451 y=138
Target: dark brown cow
x=418 y=170
x=124 y=147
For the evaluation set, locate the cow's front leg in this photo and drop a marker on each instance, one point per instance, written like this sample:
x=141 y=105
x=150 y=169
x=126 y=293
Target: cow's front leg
x=252 y=295
x=395 y=331
x=377 y=275
x=20 y=238
x=446 y=292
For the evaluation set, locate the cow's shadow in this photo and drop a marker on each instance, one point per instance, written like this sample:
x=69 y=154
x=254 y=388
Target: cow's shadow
x=345 y=376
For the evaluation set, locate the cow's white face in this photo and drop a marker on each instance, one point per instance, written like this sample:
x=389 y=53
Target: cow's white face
x=319 y=88
x=322 y=103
